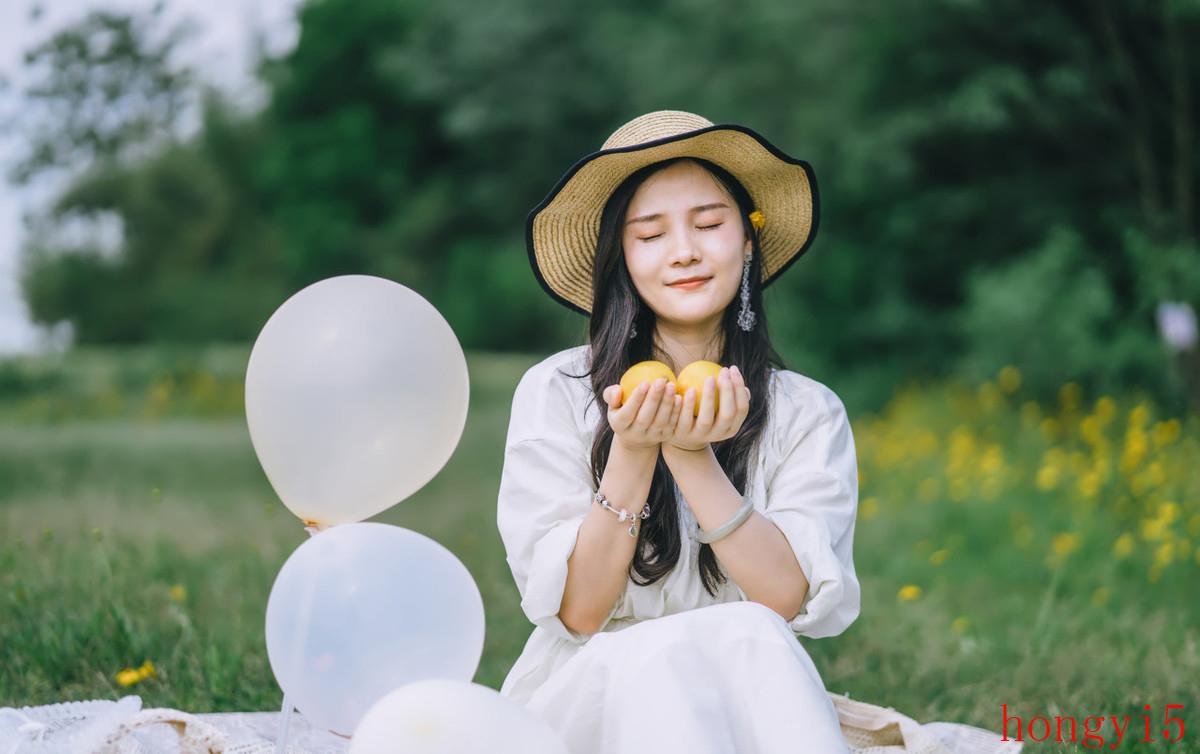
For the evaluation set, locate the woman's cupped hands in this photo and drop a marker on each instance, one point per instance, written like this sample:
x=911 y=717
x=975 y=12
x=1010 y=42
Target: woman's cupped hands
x=655 y=414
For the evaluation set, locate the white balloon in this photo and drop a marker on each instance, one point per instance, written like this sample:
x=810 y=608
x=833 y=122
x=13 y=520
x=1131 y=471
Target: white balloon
x=356 y=396
x=361 y=609
x=451 y=717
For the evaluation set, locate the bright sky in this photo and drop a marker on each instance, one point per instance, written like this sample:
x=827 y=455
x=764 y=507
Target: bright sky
x=221 y=53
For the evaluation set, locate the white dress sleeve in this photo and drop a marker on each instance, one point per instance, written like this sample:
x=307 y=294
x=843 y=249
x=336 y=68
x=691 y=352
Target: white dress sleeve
x=545 y=493
x=813 y=499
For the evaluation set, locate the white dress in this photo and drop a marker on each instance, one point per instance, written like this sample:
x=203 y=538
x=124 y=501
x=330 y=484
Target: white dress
x=707 y=674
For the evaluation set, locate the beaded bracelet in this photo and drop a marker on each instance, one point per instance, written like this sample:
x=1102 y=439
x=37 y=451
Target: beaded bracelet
x=622 y=514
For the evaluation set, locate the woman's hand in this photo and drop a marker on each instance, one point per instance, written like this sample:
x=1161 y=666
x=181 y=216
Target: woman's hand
x=709 y=426
x=648 y=418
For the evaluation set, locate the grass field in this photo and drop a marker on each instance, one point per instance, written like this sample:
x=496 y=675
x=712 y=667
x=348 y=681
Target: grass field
x=1040 y=557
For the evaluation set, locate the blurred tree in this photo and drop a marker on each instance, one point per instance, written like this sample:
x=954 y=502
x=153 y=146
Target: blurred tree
x=197 y=261
x=103 y=88
x=956 y=145
x=978 y=126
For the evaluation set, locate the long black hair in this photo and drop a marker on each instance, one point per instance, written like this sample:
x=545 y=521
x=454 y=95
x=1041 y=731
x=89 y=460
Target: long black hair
x=616 y=306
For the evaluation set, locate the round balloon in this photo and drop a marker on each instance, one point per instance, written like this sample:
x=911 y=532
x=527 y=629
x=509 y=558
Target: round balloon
x=356 y=396
x=448 y=717
x=359 y=610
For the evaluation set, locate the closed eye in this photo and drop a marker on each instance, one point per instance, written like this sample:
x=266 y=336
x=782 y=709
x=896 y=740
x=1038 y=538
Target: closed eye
x=651 y=238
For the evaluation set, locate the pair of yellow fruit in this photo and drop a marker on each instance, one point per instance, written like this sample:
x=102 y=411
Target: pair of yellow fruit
x=693 y=375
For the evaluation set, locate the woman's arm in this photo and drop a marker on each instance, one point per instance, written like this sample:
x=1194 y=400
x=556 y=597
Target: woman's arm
x=599 y=565
x=757 y=554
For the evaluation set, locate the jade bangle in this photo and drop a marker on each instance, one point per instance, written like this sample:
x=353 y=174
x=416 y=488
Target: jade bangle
x=728 y=527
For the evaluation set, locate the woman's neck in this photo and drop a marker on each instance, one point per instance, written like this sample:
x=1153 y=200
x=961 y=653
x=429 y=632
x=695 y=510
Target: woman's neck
x=680 y=347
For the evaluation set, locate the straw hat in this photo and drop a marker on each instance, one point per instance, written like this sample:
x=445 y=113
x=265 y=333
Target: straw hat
x=562 y=230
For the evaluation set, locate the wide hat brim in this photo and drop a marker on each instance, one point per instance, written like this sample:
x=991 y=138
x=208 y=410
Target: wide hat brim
x=561 y=231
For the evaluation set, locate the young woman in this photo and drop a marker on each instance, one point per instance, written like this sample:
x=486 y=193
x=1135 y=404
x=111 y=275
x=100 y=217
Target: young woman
x=670 y=554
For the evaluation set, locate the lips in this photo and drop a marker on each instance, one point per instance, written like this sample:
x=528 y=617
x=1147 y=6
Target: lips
x=689 y=282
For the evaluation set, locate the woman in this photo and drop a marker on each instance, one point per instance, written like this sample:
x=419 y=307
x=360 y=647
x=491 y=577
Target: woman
x=669 y=554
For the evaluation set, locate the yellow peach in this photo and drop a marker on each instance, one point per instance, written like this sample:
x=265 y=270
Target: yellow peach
x=643 y=371
x=694 y=375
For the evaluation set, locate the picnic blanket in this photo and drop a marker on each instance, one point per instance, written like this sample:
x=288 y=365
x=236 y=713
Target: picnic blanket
x=123 y=727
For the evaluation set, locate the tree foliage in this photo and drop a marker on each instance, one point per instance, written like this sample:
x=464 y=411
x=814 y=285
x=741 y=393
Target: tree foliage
x=962 y=148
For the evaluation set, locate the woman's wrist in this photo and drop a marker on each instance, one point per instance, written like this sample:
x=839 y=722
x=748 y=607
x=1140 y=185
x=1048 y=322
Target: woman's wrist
x=671 y=447
x=635 y=450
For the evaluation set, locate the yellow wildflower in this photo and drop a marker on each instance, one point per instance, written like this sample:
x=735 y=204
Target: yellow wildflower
x=909 y=592
x=868 y=508
x=1031 y=413
x=1154 y=529
x=993 y=459
x=1089 y=485
x=1064 y=544
x=1049 y=428
x=959 y=489
x=178 y=592
x=989 y=396
x=1123 y=546
x=939 y=557
x=960 y=624
x=1009 y=379
x=1165 y=432
x=1164 y=554
x=1069 y=395
x=757 y=219
x=1139 y=415
x=1047 y=478
x=130 y=676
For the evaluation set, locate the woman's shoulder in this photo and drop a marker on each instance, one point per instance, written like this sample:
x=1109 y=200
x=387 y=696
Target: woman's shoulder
x=800 y=398
x=554 y=382
x=557 y=368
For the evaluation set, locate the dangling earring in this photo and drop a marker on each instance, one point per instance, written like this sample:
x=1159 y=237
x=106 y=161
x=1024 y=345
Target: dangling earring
x=746 y=314
x=633 y=327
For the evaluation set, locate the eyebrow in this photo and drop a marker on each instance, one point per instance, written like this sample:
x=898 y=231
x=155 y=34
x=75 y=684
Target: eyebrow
x=656 y=215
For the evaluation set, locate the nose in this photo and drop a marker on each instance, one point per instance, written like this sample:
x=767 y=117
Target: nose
x=683 y=249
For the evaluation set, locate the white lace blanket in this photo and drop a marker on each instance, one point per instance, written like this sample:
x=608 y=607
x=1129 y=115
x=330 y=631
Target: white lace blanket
x=123 y=727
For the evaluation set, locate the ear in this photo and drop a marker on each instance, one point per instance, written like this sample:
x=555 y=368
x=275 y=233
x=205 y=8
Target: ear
x=748 y=248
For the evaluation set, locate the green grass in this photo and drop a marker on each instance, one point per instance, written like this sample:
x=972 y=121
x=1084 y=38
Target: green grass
x=100 y=517
x=114 y=490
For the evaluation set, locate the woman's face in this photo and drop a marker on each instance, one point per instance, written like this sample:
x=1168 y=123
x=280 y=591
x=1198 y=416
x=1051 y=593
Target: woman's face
x=682 y=224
